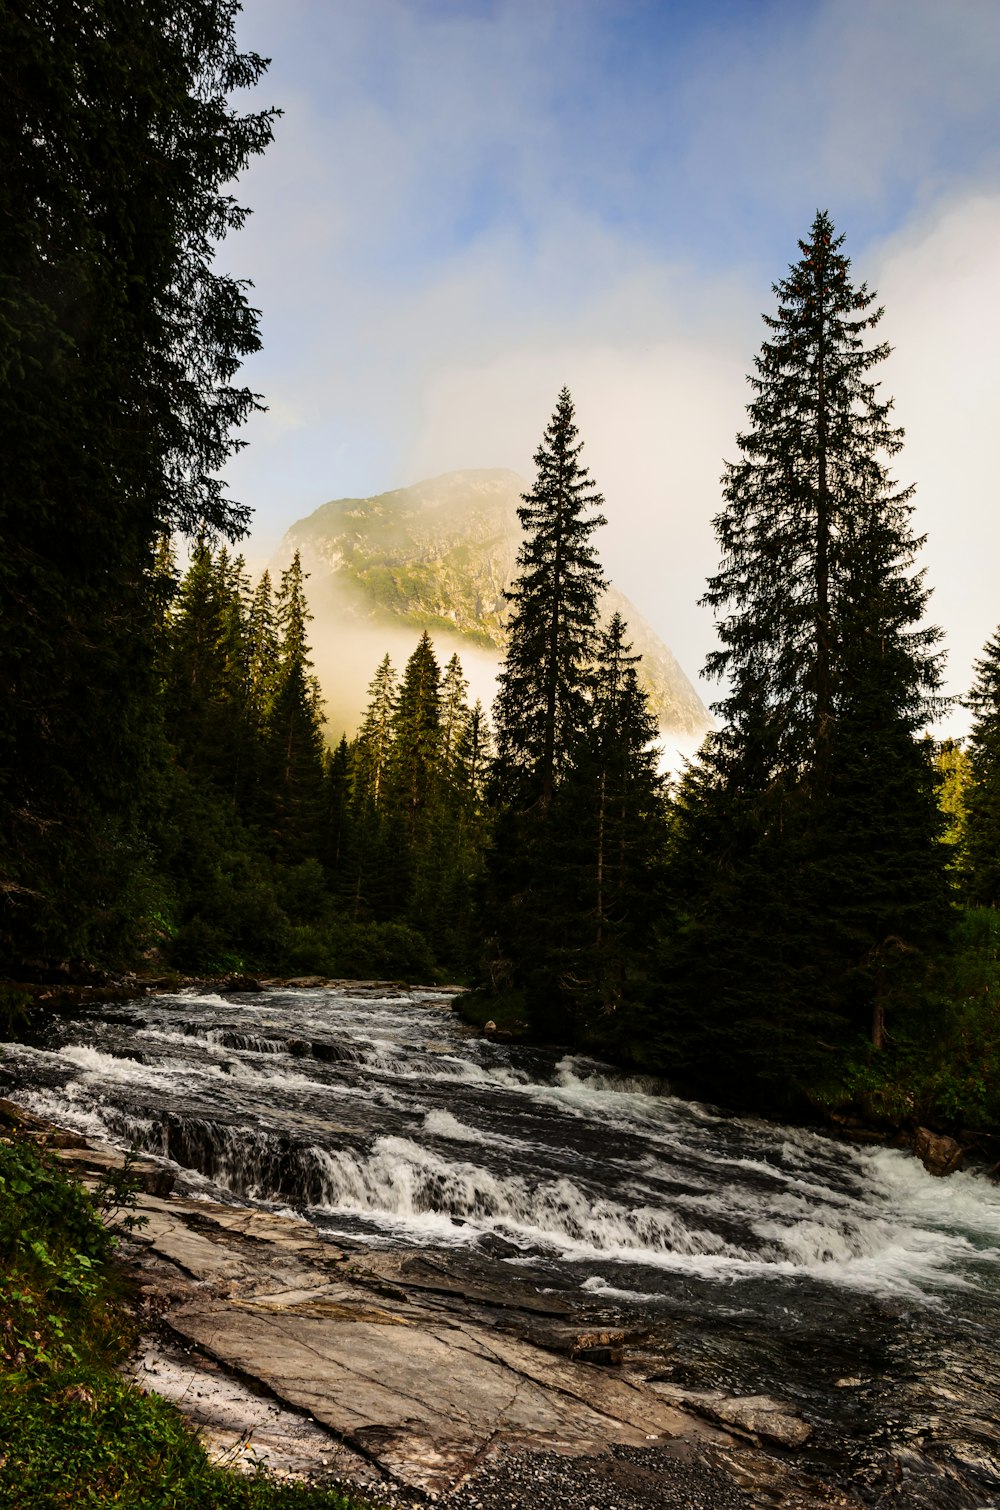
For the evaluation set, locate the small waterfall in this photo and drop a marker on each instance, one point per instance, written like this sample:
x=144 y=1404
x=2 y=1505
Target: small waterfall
x=779 y=1261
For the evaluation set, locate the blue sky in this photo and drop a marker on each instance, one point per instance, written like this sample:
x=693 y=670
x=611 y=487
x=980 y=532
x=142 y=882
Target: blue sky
x=469 y=204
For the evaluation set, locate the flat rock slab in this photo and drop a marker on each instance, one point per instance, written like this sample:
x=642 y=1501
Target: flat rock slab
x=423 y=1366
x=427 y=1402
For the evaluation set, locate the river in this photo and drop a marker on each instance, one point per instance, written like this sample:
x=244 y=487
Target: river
x=760 y=1259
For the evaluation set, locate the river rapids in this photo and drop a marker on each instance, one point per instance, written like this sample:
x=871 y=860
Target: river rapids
x=763 y=1259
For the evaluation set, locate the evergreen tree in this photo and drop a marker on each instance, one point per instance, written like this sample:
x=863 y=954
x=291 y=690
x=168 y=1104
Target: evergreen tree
x=205 y=670
x=542 y=712
x=807 y=865
x=335 y=846
x=454 y=721
x=981 y=847
x=416 y=739
x=541 y=704
x=615 y=798
x=292 y=788
x=119 y=343
x=951 y=761
x=369 y=761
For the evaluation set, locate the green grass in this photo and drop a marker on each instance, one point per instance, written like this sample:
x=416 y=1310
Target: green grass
x=73 y=1432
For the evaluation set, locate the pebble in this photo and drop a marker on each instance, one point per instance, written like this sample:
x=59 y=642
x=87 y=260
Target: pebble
x=626 y=1478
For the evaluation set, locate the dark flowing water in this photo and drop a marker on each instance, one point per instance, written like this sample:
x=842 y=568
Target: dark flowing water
x=762 y=1259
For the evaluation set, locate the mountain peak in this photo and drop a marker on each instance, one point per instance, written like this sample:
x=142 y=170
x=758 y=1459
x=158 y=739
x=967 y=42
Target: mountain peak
x=438 y=555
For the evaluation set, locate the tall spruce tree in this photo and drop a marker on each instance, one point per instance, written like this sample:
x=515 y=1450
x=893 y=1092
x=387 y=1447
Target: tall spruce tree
x=119 y=343
x=807 y=865
x=541 y=705
x=542 y=711
x=369 y=764
x=981 y=844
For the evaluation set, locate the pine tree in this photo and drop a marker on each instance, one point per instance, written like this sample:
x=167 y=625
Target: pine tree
x=119 y=343
x=605 y=855
x=981 y=846
x=618 y=763
x=454 y=721
x=807 y=837
x=542 y=712
x=416 y=737
x=369 y=761
x=204 y=667
x=541 y=704
x=292 y=789
x=335 y=841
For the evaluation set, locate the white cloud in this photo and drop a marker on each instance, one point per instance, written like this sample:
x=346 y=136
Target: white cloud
x=440 y=243
x=937 y=278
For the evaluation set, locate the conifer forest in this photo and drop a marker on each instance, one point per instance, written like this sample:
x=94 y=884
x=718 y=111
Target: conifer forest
x=802 y=920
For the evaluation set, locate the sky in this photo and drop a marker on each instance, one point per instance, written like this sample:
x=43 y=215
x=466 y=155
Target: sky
x=470 y=203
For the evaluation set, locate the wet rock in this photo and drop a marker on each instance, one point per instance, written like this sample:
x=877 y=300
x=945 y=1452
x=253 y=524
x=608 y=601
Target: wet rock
x=760 y=1415
x=146 y=1175
x=472 y=1277
x=308 y=982
x=241 y=983
x=601 y=1345
x=14 y=1116
x=427 y=1365
x=940 y=1155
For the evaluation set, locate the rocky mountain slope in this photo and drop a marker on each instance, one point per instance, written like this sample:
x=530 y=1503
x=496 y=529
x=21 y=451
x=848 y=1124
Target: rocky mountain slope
x=438 y=556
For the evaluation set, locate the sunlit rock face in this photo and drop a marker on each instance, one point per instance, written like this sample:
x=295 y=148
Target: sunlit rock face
x=438 y=556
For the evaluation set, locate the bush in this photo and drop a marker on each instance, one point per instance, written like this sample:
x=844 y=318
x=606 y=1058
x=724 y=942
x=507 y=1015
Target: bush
x=73 y=1432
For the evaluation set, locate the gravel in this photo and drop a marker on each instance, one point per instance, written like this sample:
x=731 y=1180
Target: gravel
x=626 y=1478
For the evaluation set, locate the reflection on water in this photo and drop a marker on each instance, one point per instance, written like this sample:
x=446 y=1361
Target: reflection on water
x=760 y=1258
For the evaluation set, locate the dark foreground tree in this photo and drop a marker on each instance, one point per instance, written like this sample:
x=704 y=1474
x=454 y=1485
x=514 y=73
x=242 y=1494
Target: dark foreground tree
x=808 y=873
x=119 y=342
x=609 y=823
x=542 y=712
x=981 y=846
x=541 y=706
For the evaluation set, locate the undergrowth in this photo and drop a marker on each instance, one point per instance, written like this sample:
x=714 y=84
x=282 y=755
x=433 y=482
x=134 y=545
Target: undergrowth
x=941 y=1065
x=73 y=1432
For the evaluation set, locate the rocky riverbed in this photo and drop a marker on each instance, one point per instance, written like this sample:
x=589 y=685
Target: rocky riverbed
x=423 y=1376
x=437 y=1264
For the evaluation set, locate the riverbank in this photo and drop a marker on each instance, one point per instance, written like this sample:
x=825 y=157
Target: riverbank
x=860 y=1114
x=408 y=1378
x=733 y=1259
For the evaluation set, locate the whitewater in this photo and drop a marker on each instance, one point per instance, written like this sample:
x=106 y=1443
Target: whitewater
x=766 y=1259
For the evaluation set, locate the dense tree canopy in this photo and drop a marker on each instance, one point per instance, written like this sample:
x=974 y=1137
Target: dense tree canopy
x=981 y=847
x=808 y=872
x=119 y=344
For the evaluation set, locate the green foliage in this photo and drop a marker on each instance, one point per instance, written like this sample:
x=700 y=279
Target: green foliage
x=52 y=1251
x=541 y=704
x=951 y=762
x=808 y=878
x=941 y=1065
x=361 y=951
x=119 y=145
x=72 y=1431
x=979 y=852
x=571 y=886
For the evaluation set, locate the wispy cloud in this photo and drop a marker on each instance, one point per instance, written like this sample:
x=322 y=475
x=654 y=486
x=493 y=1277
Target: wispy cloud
x=470 y=204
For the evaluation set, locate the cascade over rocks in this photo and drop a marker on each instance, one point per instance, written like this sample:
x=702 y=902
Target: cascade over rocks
x=425 y=1372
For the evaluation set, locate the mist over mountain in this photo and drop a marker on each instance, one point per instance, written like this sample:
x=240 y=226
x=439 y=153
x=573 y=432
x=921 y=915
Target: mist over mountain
x=438 y=556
